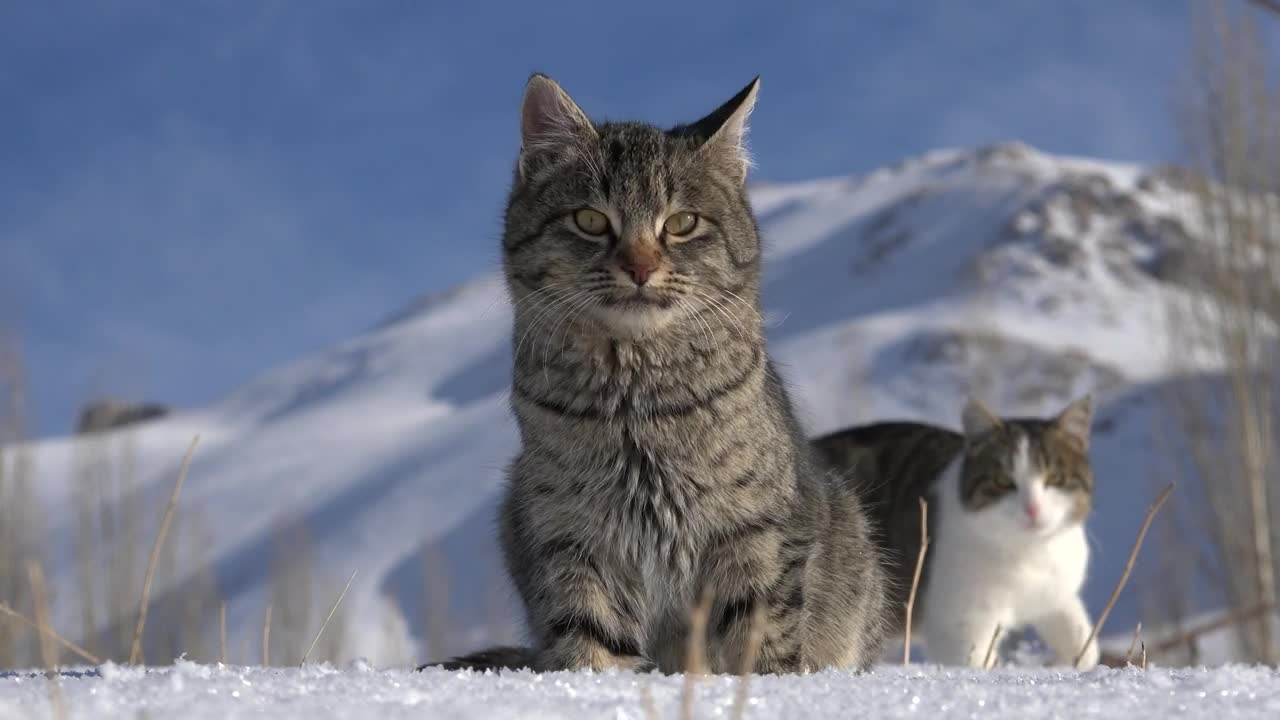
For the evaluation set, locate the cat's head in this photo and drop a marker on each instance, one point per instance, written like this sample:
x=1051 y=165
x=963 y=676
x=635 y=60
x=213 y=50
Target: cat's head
x=1027 y=477
x=629 y=224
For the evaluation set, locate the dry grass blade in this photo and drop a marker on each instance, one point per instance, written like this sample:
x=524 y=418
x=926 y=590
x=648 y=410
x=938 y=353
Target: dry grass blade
x=1133 y=646
x=266 y=638
x=332 y=610
x=989 y=660
x=1235 y=617
x=222 y=633
x=53 y=635
x=135 y=654
x=915 y=580
x=48 y=654
x=755 y=637
x=696 y=653
x=1271 y=6
x=1124 y=577
x=1144 y=656
x=647 y=705
x=435 y=575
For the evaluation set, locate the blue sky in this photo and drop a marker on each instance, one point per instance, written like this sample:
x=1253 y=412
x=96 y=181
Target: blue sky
x=191 y=192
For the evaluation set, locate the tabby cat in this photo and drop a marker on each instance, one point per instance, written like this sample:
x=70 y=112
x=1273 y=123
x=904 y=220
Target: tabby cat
x=660 y=459
x=1008 y=500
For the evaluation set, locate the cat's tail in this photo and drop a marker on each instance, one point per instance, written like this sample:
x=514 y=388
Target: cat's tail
x=503 y=657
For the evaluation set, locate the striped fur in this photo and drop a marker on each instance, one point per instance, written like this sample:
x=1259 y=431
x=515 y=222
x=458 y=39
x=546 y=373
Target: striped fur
x=660 y=457
x=891 y=465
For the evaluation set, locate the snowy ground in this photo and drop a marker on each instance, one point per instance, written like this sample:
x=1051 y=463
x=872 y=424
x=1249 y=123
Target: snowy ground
x=197 y=691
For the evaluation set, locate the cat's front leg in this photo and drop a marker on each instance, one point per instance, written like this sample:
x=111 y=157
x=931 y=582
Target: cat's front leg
x=757 y=602
x=963 y=636
x=589 y=621
x=584 y=608
x=1065 y=629
x=581 y=644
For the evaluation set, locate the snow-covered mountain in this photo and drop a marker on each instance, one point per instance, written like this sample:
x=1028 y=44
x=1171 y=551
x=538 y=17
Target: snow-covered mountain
x=1003 y=271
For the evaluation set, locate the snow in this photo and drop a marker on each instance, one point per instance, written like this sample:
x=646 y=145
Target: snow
x=192 y=692
x=886 y=296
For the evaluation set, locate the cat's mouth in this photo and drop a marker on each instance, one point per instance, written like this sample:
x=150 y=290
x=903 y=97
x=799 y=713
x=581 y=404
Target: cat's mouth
x=637 y=312
x=1043 y=528
x=640 y=298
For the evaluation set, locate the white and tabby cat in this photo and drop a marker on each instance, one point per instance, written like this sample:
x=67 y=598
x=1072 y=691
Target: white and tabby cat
x=1007 y=503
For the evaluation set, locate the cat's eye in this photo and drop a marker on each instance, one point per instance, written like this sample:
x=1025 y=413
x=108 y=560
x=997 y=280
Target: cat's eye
x=591 y=222
x=1001 y=482
x=682 y=223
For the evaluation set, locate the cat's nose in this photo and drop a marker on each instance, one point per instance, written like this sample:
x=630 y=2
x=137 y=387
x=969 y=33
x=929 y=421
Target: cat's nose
x=1033 y=511
x=640 y=263
x=639 y=271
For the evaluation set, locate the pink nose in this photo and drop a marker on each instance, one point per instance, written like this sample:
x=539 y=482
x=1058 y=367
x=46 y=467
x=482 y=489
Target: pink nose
x=1033 y=511
x=639 y=269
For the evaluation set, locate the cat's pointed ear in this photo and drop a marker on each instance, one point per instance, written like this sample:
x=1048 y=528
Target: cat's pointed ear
x=549 y=119
x=724 y=131
x=978 y=419
x=1076 y=419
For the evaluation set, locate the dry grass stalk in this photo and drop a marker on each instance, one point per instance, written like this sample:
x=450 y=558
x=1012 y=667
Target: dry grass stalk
x=297 y=610
x=1234 y=617
x=915 y=580
x=325 y=624
x=52 y=634
x=21 y=514
x=1271 y=6
x=135 y=654
x=1144 y=657
x=989 y=660
x=1229 y=422
x=435 y=576
x=695 y=662
x=48 y=653
x=647 y=705
x=1124 y=577
x=266 y=637
x=751 y=652
x=222 y=633
x=1133 y=646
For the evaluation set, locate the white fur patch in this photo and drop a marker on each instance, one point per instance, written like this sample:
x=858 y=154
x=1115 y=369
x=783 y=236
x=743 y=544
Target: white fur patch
x=636 y=322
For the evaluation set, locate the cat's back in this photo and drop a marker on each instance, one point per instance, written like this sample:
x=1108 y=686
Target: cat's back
x=889 y=465
x=886 y=461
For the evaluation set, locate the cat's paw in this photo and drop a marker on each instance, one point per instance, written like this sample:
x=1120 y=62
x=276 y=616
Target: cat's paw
x=1088 y=660
x=645 y=665
x=587 y=656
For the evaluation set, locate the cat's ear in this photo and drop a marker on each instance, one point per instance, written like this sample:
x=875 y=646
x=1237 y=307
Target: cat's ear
x=724 y=131
x=977 y=419
x=1076 y=419
x=549 y=119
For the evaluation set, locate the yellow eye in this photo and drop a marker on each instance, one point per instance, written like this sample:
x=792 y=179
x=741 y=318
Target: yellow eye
x=591 y=222
x=682 y=223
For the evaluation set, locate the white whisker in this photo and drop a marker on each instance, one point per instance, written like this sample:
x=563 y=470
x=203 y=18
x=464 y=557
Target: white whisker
x=721 y=310
x=561 y=298
x=580 y=301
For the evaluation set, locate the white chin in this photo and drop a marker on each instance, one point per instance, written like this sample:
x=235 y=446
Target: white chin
x=1045 y=528
x=1038 y=530
x=635 y=321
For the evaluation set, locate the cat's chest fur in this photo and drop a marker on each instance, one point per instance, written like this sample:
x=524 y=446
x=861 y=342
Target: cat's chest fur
x=634 y=447
x=1024 y=577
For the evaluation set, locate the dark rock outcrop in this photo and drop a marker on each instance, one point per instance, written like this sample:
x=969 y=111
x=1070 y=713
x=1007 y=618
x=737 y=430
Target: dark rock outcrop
x=106 y=414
